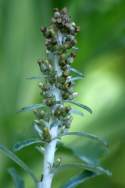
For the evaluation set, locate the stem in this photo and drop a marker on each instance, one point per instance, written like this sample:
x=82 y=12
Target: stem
x=49 y=160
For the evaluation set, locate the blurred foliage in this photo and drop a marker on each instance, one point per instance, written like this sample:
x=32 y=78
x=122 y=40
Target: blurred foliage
x=100 y=57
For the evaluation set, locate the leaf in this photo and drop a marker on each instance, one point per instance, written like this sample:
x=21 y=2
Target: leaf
x=77 y=180
x=86 y=134
x=19 y=183
x=93 y=168
x=75 y=153
x=31 y=107
x=80 y=105
x=77 y=112
x=75 y=48
x=21 y=145
x=76 y=78
x=18 y=161
x=77 y=72
x=34 y=78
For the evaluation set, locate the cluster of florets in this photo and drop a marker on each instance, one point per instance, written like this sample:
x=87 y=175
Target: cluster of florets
x=60 y=41
x=61 y=22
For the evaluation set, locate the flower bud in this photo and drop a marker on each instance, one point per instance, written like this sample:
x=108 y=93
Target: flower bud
x=40 y=85
x=46 y=134
x=50 y=101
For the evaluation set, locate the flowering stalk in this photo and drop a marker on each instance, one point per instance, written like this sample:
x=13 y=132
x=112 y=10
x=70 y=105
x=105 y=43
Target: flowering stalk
x=57 y=87
x=55 y=118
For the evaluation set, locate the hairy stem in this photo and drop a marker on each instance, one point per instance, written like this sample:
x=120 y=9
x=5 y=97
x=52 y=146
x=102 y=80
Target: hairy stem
x=49 y=160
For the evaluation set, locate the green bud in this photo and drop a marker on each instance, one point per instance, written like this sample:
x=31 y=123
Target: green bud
x=40 y=85
x=46 y=135
x=68 y=108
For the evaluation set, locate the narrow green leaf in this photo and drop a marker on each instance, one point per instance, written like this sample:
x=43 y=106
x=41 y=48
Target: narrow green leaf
x=17 y=160
x=73 y=152
x=79 y=179
x=31 y=107
x=75 y=48
x=80 y=105
x=76 y=71
x=35 y=78
x=77 y=112
x=76 y=78
x=96 y=169
x=18 y=181
x=21 y=145
x=86 y=134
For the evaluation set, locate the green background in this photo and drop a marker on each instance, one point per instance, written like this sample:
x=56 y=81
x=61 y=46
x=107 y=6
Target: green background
x=101 y=57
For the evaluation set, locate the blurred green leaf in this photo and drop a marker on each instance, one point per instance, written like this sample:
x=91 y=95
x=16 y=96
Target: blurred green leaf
x=21 y=145
x=76 y=78
x=79 y=179
x=31 y=107
x=35 y=78
x=88 y=135
x=77 y=112
x=80 y=105
x=17 y=160
x=90 y=167
x=19 y=183
x=76 y=71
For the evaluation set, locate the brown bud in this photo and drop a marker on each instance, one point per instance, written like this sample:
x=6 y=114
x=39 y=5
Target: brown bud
x=62 y=62
x=73 y=55
x=39 y=115
x=65 y=95
x=77 y=29
x=62 y=56
x=43 y=29
x=56 y=14
x=64 y=10
x=67 y=85
x=45 y=87
x=55 y=10
x=50 y=101
x=68 y=108
x=66 y=73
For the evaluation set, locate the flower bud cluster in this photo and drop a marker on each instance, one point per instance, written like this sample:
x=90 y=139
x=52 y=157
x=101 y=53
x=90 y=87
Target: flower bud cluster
x=60 y=41
x=63 y=22
x=63 y=114
x=41 y=124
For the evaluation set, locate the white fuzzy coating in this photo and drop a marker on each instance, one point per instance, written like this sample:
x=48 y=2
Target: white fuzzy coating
x=50 y=149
